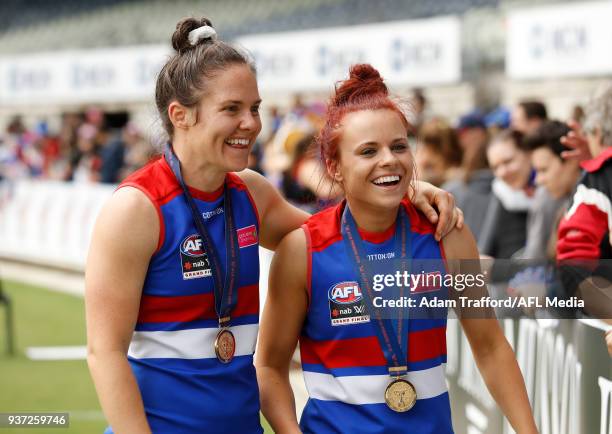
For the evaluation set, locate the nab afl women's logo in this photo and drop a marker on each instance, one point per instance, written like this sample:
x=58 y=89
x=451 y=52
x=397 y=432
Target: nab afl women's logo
x=194 y=261
x=346 y=304
x=192 y=246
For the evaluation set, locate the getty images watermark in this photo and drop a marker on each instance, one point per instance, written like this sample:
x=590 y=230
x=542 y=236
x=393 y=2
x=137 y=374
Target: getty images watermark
x=474 y=289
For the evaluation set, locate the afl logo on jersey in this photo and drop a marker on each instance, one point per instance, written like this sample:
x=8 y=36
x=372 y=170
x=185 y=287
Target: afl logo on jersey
x=345 y=293
x=192 y=246
x=194 y=260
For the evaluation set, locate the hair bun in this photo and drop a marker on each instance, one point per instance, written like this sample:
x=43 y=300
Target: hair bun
x=364 y=80
x=180 y=37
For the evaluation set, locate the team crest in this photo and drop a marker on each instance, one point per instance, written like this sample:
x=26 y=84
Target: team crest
x=194 y=261
x=346 y=304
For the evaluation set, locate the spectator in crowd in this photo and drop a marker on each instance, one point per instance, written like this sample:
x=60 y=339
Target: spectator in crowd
x=438 y=155
x=584 y=231
x=85 y=162
x=527 y=116
x=557 y=175
x=306 y=183
x=418 y=108
x=112 y=153
x=472 y=189
x=275 y=117
x=505 y=225
x=137 y=151
x=497 y=120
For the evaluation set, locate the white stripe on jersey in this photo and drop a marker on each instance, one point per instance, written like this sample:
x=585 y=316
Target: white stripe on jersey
x=189 y=344
x=370 y=389
x=590 y=196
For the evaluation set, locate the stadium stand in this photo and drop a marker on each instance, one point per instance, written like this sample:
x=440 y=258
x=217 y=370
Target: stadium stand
x=41 y=26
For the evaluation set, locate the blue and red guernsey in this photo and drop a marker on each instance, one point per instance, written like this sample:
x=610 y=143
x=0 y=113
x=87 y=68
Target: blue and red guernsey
x=184 y=387
x=345 y=369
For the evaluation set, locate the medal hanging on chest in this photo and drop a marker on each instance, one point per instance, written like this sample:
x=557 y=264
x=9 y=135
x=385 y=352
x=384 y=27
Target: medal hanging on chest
x=225 y=289
x=400 y=395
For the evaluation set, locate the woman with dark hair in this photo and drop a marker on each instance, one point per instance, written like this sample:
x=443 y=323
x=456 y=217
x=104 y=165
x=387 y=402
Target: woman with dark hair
x=367 y=369
x=172 y=276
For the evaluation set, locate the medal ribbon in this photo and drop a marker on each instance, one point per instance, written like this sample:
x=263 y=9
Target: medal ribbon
x=226 y=294
x=390 y=342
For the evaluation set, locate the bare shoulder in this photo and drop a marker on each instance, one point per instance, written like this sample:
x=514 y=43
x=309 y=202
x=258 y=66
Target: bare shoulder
x=128 y=219
x=460 y=244
x=293 y=247
x=260 y=188
x=290 y=260
x=253 y=179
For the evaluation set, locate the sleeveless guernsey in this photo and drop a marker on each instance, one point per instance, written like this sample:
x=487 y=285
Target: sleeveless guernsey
x=345 y=369
x=185 y=388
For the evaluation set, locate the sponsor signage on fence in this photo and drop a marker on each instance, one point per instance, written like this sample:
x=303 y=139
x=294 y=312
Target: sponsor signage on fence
x=561 y=40
x=416 y=52
x=81 y=76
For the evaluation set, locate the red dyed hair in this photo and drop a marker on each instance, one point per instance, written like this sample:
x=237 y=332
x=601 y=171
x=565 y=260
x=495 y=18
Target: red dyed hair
x=363 y=90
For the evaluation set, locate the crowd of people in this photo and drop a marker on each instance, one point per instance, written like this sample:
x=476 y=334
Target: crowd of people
x=88 y=146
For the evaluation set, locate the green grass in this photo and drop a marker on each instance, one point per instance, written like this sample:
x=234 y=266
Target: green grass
x=47 y=318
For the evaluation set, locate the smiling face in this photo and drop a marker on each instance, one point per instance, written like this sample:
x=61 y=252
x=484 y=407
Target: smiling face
x=228 y=118
x=375 y=164
x=509 y=163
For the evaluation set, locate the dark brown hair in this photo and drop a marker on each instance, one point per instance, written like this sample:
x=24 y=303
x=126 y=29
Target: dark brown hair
x=548 y=135
x=184 y=76
x=441 y=138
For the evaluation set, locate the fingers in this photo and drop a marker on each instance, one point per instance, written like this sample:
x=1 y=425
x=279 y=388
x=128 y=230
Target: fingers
x=460 y=220
x=568 y=155
x=579 y=146
x=609 y=341
x=445 y=202
x=428 y=210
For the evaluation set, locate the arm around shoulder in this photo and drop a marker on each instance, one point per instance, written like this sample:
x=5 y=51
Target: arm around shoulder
x=124 y=239
x=278 y=217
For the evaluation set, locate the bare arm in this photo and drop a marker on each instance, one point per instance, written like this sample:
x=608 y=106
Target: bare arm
x=494 y=356
x=118 y=258
x=285 y=310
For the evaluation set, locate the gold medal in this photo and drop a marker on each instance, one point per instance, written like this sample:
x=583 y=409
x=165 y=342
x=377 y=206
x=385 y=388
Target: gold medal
x=225 y=345
x=400 y=395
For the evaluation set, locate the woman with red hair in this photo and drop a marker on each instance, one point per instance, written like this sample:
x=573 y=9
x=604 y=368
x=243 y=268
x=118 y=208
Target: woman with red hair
x=368 y=366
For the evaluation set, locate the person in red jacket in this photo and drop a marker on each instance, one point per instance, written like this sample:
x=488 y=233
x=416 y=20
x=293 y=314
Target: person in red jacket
x=584 y=249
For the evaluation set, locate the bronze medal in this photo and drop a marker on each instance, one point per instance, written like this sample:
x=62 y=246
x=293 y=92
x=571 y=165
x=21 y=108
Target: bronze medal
x=400 y=395
x=225 y=345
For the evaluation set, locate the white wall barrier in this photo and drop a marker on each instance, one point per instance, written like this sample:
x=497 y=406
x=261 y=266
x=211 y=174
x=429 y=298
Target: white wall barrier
x=49 y=223
x=567 y=372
